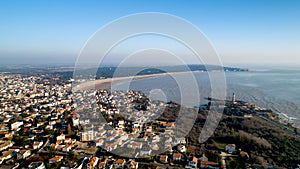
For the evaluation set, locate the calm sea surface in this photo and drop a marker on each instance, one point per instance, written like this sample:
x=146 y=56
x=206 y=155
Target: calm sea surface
x=278 y=90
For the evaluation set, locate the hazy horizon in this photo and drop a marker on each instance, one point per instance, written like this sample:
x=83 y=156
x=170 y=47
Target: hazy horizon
x=244 y=33
x=250 y=67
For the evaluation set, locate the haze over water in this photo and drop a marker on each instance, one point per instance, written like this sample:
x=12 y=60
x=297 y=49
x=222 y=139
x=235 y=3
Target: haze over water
x=278 y=90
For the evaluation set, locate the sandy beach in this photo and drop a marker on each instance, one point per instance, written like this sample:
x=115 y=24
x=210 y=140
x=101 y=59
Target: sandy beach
x=106 y=83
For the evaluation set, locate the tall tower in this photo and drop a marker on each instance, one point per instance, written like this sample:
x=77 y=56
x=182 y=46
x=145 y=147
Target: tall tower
x=233 y=98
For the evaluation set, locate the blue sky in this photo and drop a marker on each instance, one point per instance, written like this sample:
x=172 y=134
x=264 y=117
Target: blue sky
x=243 y=32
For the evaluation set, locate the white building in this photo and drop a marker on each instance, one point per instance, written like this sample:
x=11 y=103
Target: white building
x=87 y=135
x=61 y=137
x=37 y=144
x=25 y=153
x=16 y=125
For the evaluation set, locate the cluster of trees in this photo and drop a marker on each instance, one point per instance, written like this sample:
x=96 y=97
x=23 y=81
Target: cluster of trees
x=264 y=141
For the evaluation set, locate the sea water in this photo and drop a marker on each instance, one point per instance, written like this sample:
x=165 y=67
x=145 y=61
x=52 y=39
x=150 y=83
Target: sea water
x=278 y=90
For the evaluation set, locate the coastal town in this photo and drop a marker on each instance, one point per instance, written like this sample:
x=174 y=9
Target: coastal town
x=44 y=126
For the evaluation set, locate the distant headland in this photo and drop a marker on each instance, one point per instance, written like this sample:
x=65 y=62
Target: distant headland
x=110 y=71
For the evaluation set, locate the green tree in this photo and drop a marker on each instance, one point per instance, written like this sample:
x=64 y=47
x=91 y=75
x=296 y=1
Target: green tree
x=52 y=151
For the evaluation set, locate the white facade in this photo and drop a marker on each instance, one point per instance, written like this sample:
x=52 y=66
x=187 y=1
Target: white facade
x=16 y=125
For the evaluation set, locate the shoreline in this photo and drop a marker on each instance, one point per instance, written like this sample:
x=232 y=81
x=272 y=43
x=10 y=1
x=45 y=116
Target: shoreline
x=106 y=83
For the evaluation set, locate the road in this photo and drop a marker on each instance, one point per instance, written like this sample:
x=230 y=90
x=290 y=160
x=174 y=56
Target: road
x=280 y=125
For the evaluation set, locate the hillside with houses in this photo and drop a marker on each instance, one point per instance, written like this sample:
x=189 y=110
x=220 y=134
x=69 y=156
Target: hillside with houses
x=43 y=127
